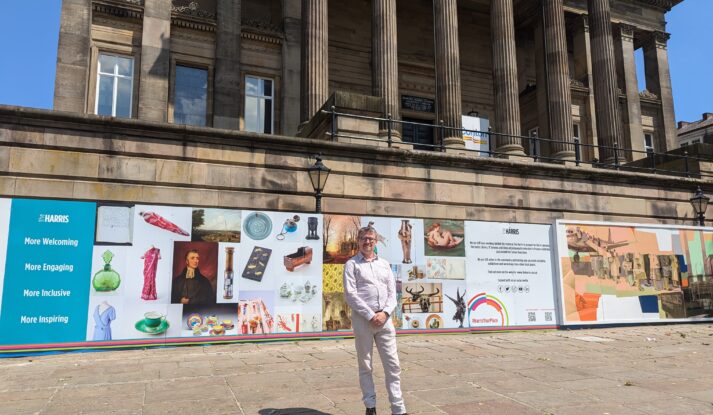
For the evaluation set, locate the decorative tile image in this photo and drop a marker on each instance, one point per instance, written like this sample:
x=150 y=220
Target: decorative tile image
x=336 y=312
x=607 y=266
x=255 y=310
x=209 y=320
x=422 y=298
x=216 y=225
x=414 y=321
x=340 y=238
x=445 y=268
x=195 y=266
x=333 y=278
x=298 y=322
x=444 y=237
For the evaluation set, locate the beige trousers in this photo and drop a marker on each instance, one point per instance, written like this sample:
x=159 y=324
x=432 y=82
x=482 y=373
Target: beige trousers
x=365 y=335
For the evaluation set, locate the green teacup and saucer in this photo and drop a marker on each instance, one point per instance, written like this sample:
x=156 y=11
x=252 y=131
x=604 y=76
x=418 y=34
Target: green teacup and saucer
x=152 y=323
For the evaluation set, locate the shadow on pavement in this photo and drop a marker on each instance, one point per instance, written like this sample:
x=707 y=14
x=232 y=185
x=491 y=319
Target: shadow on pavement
x=291 y=411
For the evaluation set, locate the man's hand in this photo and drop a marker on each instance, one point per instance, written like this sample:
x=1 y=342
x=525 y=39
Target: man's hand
x=379 y=319
x=185 y=300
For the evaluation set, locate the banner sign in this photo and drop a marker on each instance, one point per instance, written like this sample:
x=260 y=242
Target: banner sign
x=83 y=275
x=475 y=134
x=628 y=273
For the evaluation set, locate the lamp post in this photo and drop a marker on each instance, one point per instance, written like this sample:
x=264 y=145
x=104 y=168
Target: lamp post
x=318 y=174
x=699 y=201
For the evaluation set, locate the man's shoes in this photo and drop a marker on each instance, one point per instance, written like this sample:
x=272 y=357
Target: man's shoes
x=370 y=411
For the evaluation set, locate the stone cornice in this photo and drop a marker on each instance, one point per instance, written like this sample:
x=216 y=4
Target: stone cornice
x=661 y=4
x=191 y=22
x=131 y=9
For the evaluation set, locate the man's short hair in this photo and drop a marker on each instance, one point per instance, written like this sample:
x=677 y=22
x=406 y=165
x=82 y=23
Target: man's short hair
x=364 y=230
x=192 y=251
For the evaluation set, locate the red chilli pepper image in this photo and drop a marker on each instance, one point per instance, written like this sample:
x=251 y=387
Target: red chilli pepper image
x=160 y=222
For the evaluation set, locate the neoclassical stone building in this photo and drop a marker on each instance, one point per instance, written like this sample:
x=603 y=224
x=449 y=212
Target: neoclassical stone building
x=563 y=69
x=216 y=103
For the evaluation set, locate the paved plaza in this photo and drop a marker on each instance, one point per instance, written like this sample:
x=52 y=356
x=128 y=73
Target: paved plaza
x=626 y=370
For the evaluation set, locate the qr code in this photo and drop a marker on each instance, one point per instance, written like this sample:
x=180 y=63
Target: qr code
x=548 y=316
x=531 y=316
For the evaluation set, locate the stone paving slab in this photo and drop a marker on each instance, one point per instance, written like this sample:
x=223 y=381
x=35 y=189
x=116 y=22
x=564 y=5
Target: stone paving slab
x=626 y=370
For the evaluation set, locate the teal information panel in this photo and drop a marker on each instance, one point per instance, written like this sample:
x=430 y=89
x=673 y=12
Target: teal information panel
x=46 y=290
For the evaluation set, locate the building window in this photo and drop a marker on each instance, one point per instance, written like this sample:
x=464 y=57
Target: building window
x=190 y=100
x=417 y=132
x=684 y=144
x=575 y=131
x=696 y=141
x=649 y=143
x=259 y=109
x=114 y=86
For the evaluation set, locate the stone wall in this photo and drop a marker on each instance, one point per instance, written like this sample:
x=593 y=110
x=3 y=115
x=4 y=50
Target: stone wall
x=57 y=155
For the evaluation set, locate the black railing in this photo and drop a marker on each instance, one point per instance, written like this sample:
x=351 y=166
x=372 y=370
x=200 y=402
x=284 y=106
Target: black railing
x=650 y=162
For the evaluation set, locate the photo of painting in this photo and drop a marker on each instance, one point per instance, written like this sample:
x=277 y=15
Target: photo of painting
x=216 y=225
x=195 y=266
x=340 y=238
x=622 y=273
x=444 y=237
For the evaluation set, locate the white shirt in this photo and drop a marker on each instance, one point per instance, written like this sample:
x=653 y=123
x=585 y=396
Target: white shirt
x=369 y=286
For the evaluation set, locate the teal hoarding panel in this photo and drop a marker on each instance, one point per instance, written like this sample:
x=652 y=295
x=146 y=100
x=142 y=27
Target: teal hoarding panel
x=47 y=272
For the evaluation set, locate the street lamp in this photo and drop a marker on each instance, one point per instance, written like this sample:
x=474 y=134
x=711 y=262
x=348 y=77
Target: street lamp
x=318 y=174
x=699 y=201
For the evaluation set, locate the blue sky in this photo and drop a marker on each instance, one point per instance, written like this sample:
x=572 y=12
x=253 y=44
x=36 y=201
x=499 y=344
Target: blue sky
x=29 y=31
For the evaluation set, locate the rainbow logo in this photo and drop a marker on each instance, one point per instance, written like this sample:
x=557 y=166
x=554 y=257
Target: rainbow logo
x=484 y=299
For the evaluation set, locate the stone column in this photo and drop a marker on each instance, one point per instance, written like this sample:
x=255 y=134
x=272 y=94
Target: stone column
x=606 y=95
x=625 y=46
x=448 y=70
x=385 y=68
x=226 y=93
x=71 y=80
x=507 y=102
x=583 y=70
x=315 y=48
x=291 y=80
x=155 y=61
x=658 y=81
x=559 y=96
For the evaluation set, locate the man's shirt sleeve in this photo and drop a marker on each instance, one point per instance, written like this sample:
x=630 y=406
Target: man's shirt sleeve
x=391 y=292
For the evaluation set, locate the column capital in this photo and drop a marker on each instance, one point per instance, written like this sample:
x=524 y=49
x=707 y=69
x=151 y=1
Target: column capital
x=627 y=32
x=658 y=39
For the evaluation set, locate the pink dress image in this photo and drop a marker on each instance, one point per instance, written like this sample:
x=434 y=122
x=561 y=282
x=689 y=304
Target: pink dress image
x=150 y=258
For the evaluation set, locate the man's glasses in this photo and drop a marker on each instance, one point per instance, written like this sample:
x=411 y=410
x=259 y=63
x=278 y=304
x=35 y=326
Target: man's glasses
x=368 y=240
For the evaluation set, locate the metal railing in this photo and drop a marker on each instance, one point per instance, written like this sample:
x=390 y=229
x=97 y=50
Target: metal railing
x=650 y=162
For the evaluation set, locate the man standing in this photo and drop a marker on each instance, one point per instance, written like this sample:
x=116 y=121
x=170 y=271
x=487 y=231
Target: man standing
x=370 y=291
x=190 y=287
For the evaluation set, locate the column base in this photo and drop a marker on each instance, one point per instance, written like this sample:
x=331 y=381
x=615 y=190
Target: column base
x=510 y=151
x=565 y=155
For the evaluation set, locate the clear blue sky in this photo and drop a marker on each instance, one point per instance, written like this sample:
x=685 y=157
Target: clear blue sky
x=29 y=31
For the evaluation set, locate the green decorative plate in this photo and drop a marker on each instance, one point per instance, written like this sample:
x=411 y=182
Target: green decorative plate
x=160 y=329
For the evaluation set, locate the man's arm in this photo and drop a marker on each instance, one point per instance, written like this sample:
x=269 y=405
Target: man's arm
x=391 y=292
x=350 y=293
